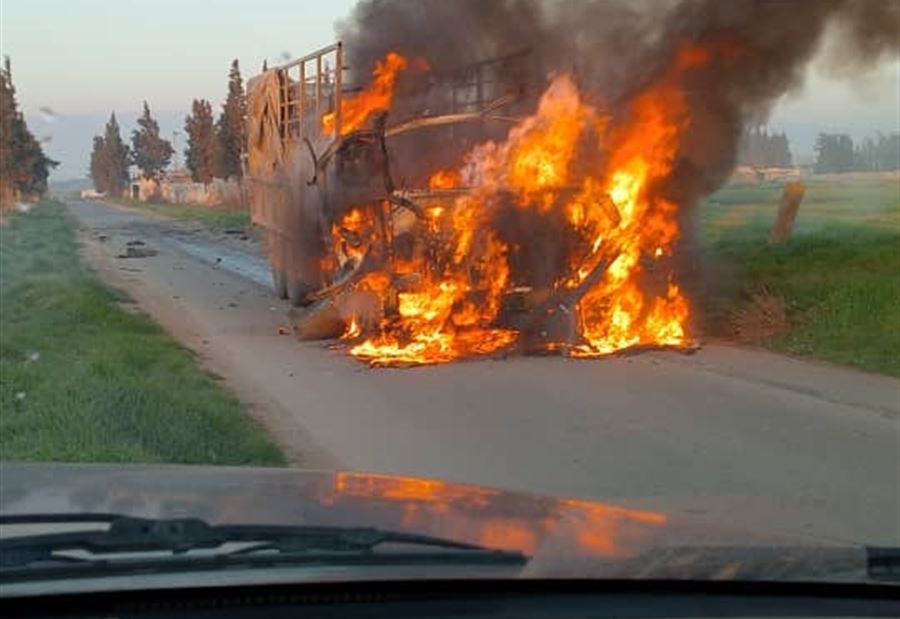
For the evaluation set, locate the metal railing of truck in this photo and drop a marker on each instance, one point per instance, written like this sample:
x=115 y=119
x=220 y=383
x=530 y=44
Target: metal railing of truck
x=311 y=85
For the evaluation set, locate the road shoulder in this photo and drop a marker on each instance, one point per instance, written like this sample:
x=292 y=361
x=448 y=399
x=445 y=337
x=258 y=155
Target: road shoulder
x=171 y=311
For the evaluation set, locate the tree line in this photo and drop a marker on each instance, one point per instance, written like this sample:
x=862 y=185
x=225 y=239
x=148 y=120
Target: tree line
x=761 y=149
x=836 y=152
x=24 y=167
x=214 y=146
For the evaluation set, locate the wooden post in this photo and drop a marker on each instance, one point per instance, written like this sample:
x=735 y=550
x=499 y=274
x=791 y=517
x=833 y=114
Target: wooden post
x=286 y=103
x=791 y=198
x=338 y=88
x=302 y=97
x=280 y=110
x=318 y=88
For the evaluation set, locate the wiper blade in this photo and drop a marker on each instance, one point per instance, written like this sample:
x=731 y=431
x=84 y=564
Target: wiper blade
x=883 y=562
x=128 y=535
x=72 y=517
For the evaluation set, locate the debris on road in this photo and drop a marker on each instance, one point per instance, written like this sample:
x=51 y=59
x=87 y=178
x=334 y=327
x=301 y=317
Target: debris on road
x=319 y=321
x=137 y=251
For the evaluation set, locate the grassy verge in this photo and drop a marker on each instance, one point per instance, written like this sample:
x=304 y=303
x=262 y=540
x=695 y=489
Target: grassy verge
x=836 y=283
x=219 y=218
x=81 y=379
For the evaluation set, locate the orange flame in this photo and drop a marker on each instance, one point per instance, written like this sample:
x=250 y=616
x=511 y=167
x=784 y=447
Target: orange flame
x=353 y=330
x=451 y=314
x=444 y=179
x=356 y=109
x=618 y=313
x=627 y=231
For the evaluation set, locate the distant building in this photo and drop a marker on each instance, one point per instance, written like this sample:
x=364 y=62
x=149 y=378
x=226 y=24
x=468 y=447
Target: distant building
x=92 y=194
x=177 y=187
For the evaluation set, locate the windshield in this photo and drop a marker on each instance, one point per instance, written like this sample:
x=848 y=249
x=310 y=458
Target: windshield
x=599 y=289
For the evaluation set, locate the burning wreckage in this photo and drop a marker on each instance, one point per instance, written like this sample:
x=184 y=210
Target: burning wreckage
x=428 y=216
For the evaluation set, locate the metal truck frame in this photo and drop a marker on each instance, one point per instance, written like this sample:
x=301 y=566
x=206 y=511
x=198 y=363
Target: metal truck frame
x=301 y=179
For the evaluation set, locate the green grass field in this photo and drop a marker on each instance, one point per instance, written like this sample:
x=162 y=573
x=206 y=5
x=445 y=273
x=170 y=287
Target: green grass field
x=838 y=276
x=82 y=379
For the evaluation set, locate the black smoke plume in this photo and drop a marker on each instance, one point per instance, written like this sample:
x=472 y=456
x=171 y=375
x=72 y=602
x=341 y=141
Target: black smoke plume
x=617 y=48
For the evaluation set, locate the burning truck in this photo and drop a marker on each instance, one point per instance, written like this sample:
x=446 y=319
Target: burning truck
x=428 y=200
x=493 y=215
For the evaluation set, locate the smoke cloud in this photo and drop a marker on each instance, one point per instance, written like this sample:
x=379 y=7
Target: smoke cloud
x=617 y=48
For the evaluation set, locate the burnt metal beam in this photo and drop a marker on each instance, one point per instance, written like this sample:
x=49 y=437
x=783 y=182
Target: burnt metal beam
x=451 y=119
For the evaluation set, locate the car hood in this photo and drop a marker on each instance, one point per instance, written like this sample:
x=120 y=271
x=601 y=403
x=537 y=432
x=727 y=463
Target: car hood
x=565 y=537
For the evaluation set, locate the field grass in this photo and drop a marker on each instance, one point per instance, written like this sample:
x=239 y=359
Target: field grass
x=218 y=218
x=838 y=276
x=81 y=379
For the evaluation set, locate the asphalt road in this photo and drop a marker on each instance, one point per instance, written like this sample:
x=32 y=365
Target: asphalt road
x=727 y=434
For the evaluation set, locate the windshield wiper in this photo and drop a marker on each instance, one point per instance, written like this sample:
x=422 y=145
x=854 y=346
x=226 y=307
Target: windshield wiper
x=883 y=563
x=135 y=535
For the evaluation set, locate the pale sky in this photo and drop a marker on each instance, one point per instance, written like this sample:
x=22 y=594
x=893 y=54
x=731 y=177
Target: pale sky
x=84 y=58
x=90 y=56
